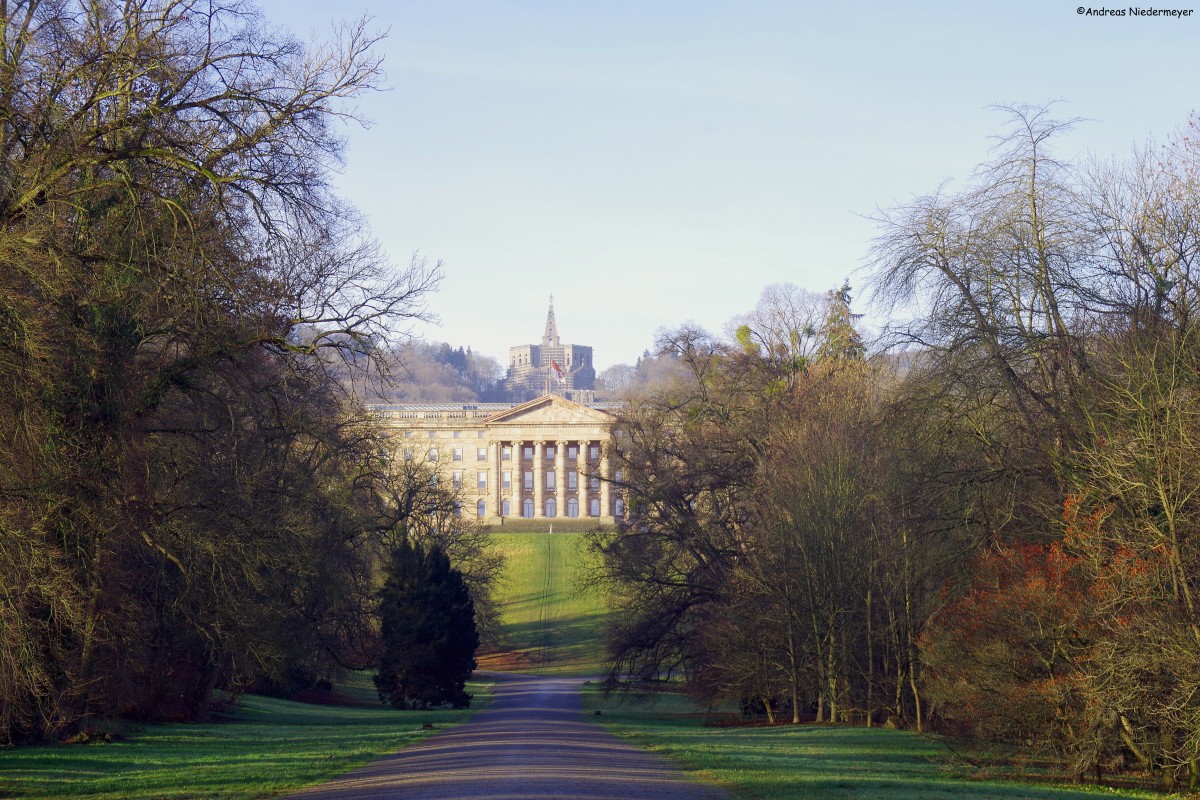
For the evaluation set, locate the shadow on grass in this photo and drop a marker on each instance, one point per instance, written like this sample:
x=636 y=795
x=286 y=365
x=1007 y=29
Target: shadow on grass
x=266 y=747
x=810 y=760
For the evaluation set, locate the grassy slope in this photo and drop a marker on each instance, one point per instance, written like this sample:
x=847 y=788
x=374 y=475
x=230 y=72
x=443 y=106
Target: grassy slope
x=266 y=748
x=549 y=625
x=809 y=761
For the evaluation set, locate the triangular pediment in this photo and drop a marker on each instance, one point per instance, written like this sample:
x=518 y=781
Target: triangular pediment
x=550 y=409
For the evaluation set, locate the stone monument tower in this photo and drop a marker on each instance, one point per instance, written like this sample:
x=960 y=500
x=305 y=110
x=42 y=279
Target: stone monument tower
x=551 y=367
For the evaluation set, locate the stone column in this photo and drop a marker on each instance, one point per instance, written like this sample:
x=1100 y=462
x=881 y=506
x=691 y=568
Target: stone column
x=539 y=494
x=581 y=481
x=605 y=504
x=495 y=471
x=560 y=478
x=517 y=490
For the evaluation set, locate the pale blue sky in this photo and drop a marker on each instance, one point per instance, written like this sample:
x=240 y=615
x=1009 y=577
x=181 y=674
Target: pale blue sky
x=651 y=163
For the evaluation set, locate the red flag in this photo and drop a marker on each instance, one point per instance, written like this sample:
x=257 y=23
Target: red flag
x=557 y=369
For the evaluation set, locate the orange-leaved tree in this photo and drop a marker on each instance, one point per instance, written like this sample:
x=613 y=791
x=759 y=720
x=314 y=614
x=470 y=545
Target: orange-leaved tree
x=1002 y=660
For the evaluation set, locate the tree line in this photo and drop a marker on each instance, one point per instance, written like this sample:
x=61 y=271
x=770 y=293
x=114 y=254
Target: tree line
x=989 y=526
x=189 y=497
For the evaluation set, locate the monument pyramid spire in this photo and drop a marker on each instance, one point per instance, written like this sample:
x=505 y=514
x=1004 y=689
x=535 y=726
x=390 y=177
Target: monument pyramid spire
x=550 y=339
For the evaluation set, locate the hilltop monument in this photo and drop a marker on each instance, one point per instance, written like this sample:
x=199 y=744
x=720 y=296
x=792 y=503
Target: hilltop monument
x=551 y=367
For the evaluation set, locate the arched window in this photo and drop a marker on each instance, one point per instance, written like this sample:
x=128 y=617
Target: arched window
x=551 y=507
x=527 y=507
x=572 y=507
x=505 y=507
x=594 y=507
x=481 y=508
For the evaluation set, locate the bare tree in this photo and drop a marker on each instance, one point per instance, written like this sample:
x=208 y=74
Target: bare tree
x=783 y=324
x=997 y=271
x=172 y=262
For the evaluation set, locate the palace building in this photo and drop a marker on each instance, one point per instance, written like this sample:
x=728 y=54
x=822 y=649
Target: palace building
x=543 y=459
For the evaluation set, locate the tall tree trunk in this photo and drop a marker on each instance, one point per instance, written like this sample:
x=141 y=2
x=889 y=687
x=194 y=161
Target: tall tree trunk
x=793 y=672
x=910 y=642
x=870 y=666
x=831 y=681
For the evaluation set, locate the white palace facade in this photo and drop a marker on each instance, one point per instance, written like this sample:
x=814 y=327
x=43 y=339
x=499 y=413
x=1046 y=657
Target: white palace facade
x=544 y=459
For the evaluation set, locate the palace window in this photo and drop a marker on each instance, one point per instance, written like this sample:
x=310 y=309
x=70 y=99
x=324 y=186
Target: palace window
x=481 y=480
x=527 y=508
x=550 y=479
x=456 y=478
x=594 y=482
x=528 y=479
x=481 y=509
x=594 y=452
x=594 y=507
x=572 y=452
x=572 y=479
x=551 y=507
x=528 y=456
x=505 y=507
x=572 y=507
x=550 y=452
x=506 y=454
x=433 y=454
x=481 y=454
x=458 y=454
x=506 y=479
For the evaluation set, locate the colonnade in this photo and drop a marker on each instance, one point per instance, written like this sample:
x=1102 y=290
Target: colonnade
x=535 y=483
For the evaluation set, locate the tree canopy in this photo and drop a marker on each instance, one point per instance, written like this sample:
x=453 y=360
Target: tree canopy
x=188 y=497
x=990 y=523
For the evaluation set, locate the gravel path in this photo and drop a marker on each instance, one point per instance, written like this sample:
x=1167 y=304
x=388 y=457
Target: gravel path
x=532 y=743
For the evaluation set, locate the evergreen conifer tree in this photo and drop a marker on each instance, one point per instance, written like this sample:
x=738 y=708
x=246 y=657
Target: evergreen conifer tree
x=427 y=621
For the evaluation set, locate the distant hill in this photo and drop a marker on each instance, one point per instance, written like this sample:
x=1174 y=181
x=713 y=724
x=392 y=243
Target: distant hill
x=435 y=372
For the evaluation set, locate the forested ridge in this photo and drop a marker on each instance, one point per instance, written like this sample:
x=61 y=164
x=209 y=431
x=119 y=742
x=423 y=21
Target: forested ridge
x=998 y=539
x=432 y=372
x=189 y=496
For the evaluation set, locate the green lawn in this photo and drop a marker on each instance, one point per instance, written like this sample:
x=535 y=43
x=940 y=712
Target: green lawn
x=265 y=748
x=809 y=760
x=549 y=623
x=271 y=747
